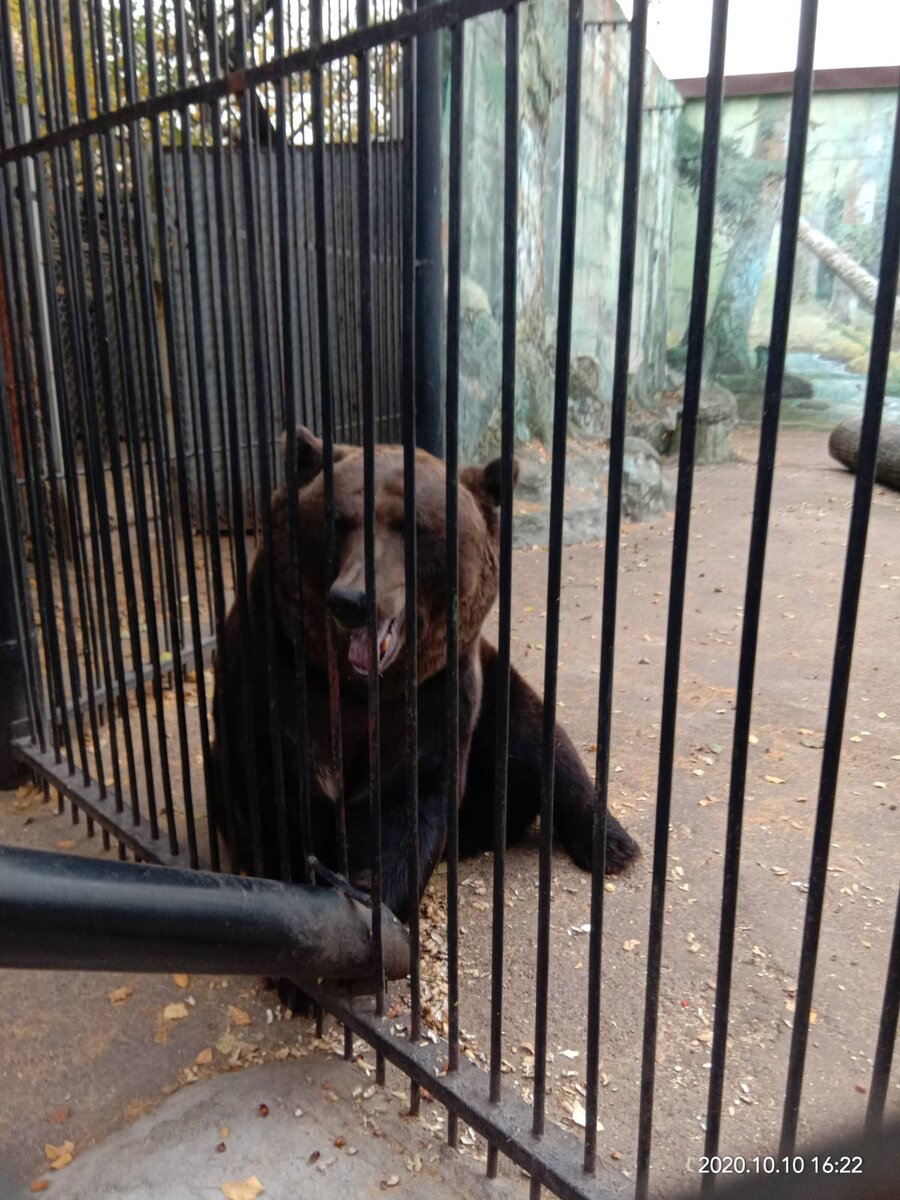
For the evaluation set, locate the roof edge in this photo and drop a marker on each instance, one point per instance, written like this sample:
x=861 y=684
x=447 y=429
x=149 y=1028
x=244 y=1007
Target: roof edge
x=831 y=79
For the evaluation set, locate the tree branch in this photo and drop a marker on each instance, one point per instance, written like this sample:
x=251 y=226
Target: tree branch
x=847 y=269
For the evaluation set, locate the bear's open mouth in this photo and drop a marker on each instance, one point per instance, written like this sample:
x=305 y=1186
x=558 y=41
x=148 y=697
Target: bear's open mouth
x=388 y=642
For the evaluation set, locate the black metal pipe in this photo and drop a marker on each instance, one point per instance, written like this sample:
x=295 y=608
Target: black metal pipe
x=63 y=912
x=429 y=262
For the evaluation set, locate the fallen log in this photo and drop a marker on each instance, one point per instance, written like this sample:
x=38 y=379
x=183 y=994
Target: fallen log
x=843 y=445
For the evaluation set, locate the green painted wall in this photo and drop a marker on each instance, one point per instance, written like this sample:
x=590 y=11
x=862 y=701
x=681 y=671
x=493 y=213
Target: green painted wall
x=845 y=181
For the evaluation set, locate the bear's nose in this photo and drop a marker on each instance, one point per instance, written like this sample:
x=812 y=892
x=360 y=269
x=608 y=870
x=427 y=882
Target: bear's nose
x=348 y=606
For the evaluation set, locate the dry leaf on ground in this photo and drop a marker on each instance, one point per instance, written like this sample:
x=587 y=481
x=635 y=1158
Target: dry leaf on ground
x=242 y=1189
x=51 y=1151
x=60 y=1156
x=237 y=1016
x=120 y=994
x=175 y=1012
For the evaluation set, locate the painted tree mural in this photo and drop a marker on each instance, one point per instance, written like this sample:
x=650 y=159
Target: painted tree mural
x=748 y=204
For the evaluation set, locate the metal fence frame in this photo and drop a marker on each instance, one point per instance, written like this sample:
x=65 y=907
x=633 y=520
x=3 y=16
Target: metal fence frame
x=53 y=705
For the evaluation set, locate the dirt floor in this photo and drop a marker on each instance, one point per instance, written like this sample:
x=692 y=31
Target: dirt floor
x=77 y=1065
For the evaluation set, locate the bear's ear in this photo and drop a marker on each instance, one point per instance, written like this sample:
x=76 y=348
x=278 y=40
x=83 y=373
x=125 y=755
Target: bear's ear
x=486 y=482
x=310 y=453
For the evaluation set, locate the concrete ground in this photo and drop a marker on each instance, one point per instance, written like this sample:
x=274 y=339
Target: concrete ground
x=278 y=1130
x=82 y=1058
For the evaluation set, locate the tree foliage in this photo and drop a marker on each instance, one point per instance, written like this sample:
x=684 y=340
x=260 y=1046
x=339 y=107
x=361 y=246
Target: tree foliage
x=128 y=47
x=740 y=177
x=747 y=199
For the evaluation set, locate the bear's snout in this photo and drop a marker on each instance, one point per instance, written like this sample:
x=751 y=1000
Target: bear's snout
x=348 y=605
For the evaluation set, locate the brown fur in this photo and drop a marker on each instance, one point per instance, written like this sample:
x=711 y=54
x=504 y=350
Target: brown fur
x=259 y=764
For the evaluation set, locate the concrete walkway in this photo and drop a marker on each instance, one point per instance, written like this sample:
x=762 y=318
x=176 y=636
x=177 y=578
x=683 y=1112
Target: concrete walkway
x=304 y=1128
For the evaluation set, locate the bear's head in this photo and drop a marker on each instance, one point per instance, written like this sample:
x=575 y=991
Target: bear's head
x=343 y=595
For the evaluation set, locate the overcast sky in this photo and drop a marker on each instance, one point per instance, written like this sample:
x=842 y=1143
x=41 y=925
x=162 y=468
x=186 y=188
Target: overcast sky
x=762 y=34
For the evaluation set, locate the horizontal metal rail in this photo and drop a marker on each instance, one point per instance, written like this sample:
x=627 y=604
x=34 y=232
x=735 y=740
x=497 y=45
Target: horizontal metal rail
x=63 y=912
x=359 y=41
x=186 y=657
x=505 y=1123
x=87 y=796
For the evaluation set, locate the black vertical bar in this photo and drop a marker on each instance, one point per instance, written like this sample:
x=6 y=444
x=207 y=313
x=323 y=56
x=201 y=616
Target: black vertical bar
x=554 y=568
x=289 y=407
x=724 y=962
x=30 y=444
x=237 y=503
x=28 y=637
x=879 y=357
x=305 y=235
x=630 y=190
x=22 y=391
x=397 y=85
x=681 y=536
x=368 y=406
x=182 y=498
x=19 y=694
x=327 y=401
x=339 y=329
x=758 y=538
x=109 y=639
x=123 y=340
x=249 y=151
x=454 y=268
x=156 y=434
x=106 y=374
x=69 y=463
x=10 y=399
x=887 y=1033
x=507 y=441
x=408 y=321
x=50 y=387
x=630 y=197
x=429 y=261
x=13 y=697
x=379 y=251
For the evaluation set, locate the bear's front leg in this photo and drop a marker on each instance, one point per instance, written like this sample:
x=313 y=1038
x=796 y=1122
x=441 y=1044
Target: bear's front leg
x=395 y=835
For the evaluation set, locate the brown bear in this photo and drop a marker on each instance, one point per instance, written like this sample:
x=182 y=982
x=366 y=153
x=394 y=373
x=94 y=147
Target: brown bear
x=247 y=751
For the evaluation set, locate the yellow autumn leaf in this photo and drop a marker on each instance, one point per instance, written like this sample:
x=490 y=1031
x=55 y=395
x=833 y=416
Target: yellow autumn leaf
x=52 y=1151
x=237 y=1015
x=175 y=1012
x=773 y=779
x=181 y=980
x=242 y=1189
x=120 y=994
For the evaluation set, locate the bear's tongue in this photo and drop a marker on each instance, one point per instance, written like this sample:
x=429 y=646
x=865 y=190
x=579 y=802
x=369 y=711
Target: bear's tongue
x=359 y=646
